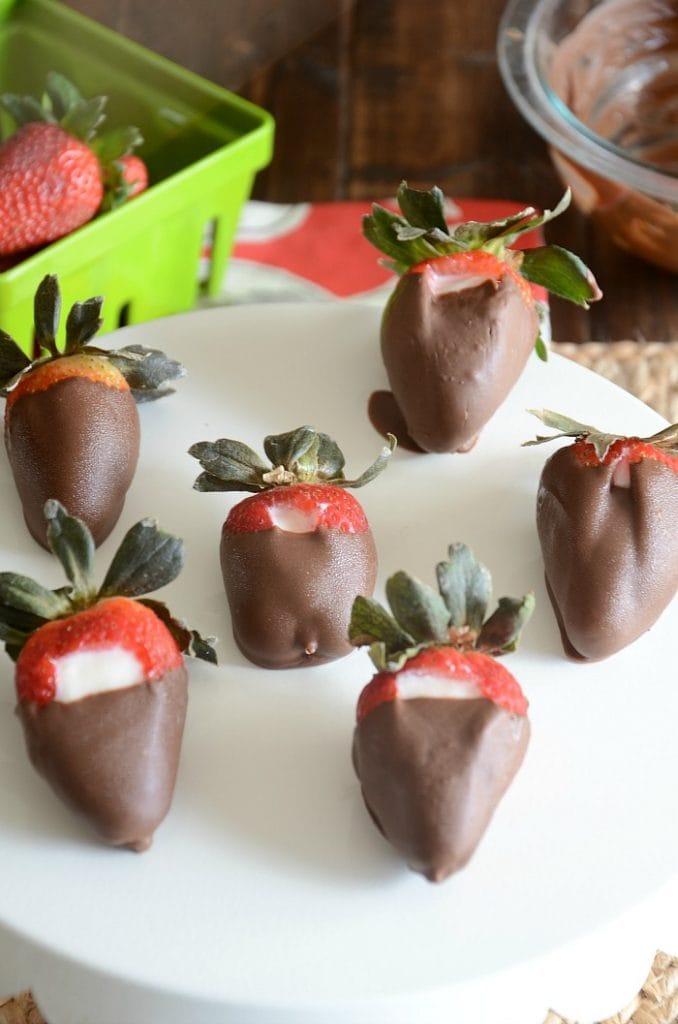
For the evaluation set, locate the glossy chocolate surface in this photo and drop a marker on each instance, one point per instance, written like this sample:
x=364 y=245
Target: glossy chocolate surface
x=610 y=552
x=113 y=756
x=78 y=442
x=432 y=772
x=290 y=594
x=453 y=358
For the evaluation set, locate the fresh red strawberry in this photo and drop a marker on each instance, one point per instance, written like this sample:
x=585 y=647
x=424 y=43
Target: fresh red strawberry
x=100 y=678
x=125 y=174
x=135 y=174
x=462 y=321
x=294 y=554
x=607 y=509
x=50 y=184
x=442 y=727
x=52 y=171
x=71 y=422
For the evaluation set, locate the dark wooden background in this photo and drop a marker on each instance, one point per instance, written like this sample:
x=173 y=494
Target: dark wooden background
x=368 y=92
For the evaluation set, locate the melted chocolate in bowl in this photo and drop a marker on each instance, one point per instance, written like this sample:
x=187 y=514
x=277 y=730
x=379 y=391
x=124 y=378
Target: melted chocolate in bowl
x=617 y=72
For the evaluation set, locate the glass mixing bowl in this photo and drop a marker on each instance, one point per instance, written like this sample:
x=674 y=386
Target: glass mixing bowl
x=599 y=82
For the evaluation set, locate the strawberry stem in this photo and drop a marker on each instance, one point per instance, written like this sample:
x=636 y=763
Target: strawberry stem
x=422 y=618
x=146 y=370
x=421 y=233
x=665 y=440
x=146 y=560
x=303 y=455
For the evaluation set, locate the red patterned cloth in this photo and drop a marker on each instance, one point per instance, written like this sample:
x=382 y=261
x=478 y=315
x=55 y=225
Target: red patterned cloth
x=304 y=251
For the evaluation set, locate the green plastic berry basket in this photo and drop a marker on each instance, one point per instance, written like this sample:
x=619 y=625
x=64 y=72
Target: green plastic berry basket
x=202 y=145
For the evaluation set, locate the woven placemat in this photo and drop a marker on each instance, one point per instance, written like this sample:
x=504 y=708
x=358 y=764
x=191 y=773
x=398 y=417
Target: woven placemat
x=648 y=369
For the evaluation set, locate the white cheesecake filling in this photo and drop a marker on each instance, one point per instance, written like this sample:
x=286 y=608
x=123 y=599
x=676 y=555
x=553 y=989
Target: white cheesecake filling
x=83 y=673
x=293 y=520
x=442 y=283
x=621 y=475
x=417 y=684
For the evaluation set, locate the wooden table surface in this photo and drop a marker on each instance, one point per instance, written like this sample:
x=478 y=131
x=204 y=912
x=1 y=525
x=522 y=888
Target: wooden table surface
x=368 y=92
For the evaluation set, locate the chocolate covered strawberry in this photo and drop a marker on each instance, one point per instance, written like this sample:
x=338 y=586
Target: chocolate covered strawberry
x=54 y=174
x=294 y=554
x=607 y=515
x=442 y=727
x=71 y=422
x=462 y=321
x=100 y=678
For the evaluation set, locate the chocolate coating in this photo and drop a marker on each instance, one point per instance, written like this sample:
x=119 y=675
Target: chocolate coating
x=290 y=594
x=452 y=359
x=610 y=553
x=432 y=772
x=78 y=442
x=113 y=756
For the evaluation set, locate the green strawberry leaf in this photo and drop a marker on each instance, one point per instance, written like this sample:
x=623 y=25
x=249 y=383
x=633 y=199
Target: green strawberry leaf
x=371 y=625
x=475 y=234
x=423 y=209
x=146 y=560
x=417 y=608
x=24 y=109
x=501 y=632
x=202 y=647
x=381 y=229
x=82 y=323
x=329 y=459
x=229 y=466
x=666 y=439
x=465 y=585
x=377 y=467
x=117 y=189
x=63 y=95
x=116 y=142
x=71 y=541
x=47 y=313
x=13 y=360
x=20 y=594
x=561 y=273
x=146 y=370
x=188 y=640
x=84 y=119
x=13 y=639
x=293 y=448
x=539 y=219
x=541 y=349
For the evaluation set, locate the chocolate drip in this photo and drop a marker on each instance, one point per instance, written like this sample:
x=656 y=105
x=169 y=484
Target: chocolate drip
x=610 y=552
x=290 y=594
x=432 y=773
x=78 y=442
x=453 y=358
x=113 y=756
x=386 y=418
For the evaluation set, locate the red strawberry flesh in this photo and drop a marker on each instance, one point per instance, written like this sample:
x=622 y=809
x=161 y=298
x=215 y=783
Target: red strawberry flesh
x=307 y=506
x=111 y=623
x=135 y=173
x=50 y=184
x=469 y=269
x=493 y=681
x=630 y=449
